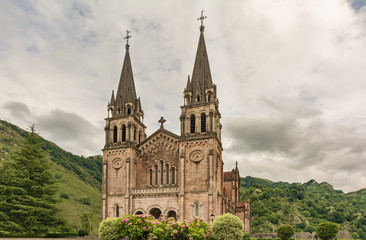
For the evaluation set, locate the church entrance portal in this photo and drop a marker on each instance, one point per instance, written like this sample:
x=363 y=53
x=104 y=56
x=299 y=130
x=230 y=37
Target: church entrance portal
x=155 y=212
x=172 y=214
x=139 y=213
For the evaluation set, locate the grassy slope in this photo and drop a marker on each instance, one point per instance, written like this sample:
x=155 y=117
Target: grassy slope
x=71 y=172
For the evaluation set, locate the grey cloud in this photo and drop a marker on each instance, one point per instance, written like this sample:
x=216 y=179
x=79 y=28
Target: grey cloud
x=18 y=110
x=70 y=131
x=316 y=143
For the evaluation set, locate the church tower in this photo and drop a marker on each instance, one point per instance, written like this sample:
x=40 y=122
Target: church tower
x=124 y=130
x=201 y=149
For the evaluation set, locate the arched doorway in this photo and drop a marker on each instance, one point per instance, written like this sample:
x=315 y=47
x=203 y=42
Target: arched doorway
x=172 y=214
x=155 y=212
x=139 y=213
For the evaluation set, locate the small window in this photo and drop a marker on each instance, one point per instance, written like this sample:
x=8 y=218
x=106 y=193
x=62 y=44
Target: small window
x=209 y=97
x=193 y=123
x=151 y=176
x=134 y=134
x=198 y=98
x=162 y=172
x=115 y=131
x=203 y=122
x=156 y=175
x=167 y=173
x=123 y=133
x=139 y=136
x=128 y=111
x=196 y=209
x=117 y=211
x=173 y=175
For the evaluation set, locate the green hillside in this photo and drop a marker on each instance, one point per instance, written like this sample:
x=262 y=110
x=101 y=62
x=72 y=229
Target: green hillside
x=79 y=179
x=304 y=206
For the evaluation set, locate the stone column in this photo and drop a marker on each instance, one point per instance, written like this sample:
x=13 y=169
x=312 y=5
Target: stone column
x=129 y=131
x=127 y=194
x=211 y=121
x=104 y=190
x=181 y=185
x=182 y=126
x=210 y=184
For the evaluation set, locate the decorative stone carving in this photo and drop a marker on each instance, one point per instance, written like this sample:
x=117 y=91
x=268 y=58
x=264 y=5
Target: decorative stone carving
x=117 y=163
x=196 y=156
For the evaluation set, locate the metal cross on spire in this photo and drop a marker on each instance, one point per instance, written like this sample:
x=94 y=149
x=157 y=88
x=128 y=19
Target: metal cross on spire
x=162 y=121
x=128 y=36
x=201 y=19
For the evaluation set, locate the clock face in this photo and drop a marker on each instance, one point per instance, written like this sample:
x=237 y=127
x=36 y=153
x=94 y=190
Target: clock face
x=117 y=163
x=196 y=156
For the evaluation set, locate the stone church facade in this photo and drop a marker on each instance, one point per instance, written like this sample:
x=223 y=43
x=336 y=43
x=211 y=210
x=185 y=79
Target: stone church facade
x=178 y=176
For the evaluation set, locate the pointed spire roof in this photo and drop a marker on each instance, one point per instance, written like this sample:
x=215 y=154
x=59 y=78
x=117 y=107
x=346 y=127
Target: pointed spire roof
x=201 y=77
x=188 y=87
x=112 y=98
x=126 y=89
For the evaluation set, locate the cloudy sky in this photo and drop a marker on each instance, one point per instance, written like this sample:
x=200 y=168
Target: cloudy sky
x=291 y=76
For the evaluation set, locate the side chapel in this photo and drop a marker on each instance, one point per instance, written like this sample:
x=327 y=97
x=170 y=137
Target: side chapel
x=178 y=176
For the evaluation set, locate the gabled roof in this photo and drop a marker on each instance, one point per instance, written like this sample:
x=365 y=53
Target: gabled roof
x=228 y=176
x=163 y=131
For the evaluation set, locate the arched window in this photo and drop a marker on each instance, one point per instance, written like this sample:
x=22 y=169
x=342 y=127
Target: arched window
x=198 y=98
x=115 y=131
x=151 y=176
x=139 y=136
x=128 y=111
x=196 y=209
x=156 y=175
x=117 y=211
x=134 y=134
x=123 y=133
x=203 y=122
x=162 y=172
x=173 y=175
x=167 y=173
x=193 y=123
x=209 y=97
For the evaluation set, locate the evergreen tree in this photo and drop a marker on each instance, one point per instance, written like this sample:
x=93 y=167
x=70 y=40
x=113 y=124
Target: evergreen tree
x=27 y=191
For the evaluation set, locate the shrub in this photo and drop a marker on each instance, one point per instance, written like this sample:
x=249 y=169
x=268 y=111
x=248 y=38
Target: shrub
x=199 y=230
x=246 y=236
x=327 y=230
x=82 y=232
x=108 y=229
x=85 y=200
x=285 y=232
x=228 y=227
x=309 y=229
x=64 y=196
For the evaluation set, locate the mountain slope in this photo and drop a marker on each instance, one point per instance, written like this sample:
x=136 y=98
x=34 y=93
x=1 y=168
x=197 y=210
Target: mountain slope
x=78 y=178
x=303 y=205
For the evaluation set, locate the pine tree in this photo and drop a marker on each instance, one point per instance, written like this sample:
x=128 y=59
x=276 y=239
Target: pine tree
x=27 y=191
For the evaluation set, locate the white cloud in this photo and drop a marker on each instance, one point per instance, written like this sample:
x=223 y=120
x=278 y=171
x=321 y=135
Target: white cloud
x=290 y=76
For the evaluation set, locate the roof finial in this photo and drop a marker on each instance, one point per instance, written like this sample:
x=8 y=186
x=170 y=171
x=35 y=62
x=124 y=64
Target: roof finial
x=162 y=121
x=202 y=27
x=128 y=36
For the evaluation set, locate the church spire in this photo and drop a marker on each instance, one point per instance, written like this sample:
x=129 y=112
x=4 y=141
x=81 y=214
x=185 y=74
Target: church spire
x=125 y=101
x=201 y=76
x=126 y=89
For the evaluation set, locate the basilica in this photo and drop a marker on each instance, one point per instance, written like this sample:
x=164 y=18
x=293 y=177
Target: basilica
x=179 y=176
